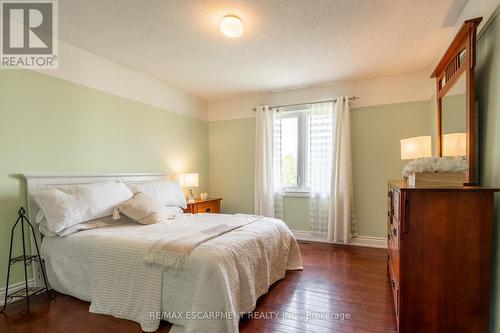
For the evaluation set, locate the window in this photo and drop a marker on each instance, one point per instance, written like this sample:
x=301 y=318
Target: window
x=290 y=177
x=294 y=151
x=303 y=143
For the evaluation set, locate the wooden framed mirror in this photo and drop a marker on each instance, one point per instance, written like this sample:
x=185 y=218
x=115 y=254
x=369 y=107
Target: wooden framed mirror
x=456 y=114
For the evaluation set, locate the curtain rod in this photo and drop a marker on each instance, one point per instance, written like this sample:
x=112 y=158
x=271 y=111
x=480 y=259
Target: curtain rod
x=352 y=98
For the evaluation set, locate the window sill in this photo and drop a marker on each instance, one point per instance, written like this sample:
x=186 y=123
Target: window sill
x=296 y=194
x=300 y=195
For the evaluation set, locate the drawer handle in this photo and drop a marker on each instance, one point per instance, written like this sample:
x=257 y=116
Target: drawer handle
x=395 y=232
x=393 y=284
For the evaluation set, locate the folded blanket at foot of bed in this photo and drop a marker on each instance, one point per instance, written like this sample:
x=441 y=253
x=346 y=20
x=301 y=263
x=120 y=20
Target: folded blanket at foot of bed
x=174 y=248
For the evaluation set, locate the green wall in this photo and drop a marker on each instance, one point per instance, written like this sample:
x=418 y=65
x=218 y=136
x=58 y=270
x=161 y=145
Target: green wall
x=376 y=132
x=454 y=114
x=376 y=156
x=487 y=94
x=48 y=125
x=232 y=151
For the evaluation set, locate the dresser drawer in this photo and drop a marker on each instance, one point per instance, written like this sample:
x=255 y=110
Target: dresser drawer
x=396 y=208
x=393 y=240
x=393 y=255
x=393 y=231
x=394 y=284
x=389 y=205
x=207 y=207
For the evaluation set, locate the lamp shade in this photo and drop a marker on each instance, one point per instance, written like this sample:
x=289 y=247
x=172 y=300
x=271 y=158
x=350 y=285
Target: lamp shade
x=417 y=147
x=188 y=179
x=455 y=144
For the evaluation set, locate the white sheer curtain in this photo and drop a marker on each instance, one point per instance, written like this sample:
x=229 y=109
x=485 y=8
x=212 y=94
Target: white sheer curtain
x=331 y=207
x=278 y=194
x=320 y=165
x=341 y=225
x=267 y=132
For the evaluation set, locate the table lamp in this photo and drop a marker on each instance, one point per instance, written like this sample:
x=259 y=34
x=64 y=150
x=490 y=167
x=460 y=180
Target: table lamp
x=189 y=180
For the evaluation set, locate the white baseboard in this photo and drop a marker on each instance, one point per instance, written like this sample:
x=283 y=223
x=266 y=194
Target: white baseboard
x=364 y=241
x=13 y=288
x=307 y=236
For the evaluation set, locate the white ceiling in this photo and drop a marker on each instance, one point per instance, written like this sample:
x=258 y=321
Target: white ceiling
x=286 y=44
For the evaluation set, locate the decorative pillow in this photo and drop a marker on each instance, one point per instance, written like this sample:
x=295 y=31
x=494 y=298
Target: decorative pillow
x=145 y=209
x=167 y=193
x=66 y=206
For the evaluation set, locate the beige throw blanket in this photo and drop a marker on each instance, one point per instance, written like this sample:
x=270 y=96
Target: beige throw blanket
x=173 y=249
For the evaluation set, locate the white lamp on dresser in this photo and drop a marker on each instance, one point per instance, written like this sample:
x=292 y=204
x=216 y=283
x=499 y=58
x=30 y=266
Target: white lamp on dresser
x=417 y=147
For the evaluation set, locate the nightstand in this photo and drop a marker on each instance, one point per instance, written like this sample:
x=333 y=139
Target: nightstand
x=209 y=205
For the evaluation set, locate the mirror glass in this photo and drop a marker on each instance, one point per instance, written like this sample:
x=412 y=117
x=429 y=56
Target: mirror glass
x=454 y=119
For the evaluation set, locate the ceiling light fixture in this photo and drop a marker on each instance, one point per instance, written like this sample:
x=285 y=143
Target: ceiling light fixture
x=231 y=26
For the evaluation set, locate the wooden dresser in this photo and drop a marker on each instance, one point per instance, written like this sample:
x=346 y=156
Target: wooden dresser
x=439 y=257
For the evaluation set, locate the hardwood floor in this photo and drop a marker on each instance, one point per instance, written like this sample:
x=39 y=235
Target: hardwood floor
x=336 y=280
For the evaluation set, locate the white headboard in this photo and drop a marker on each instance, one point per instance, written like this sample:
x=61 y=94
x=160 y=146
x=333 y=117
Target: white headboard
x=39 y=182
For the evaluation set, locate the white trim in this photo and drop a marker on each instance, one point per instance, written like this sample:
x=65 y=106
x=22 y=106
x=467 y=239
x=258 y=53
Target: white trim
x=90 y=175
x=363 y=241
x=367 y=241
x=88 y=69
x=38 y=182
x=378 y=91
x=13 y=288
x=308 y=236
x=297 y=194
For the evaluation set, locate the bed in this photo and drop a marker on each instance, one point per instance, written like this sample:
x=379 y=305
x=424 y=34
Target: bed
x=223 y=279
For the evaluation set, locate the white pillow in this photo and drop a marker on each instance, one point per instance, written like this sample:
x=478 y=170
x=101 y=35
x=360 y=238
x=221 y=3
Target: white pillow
x=168 y=193
x=145 y=210
x=92 y=224
x=66 y=206
x=42 y=224
x=102 y=222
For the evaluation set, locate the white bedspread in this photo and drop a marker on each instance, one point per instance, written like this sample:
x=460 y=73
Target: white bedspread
x=176 y=241
x=225 y=275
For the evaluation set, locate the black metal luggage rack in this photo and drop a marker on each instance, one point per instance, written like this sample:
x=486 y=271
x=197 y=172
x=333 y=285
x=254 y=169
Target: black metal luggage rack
x=27 y=291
